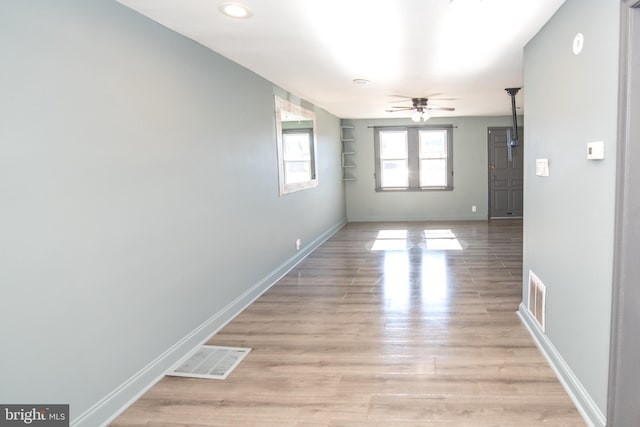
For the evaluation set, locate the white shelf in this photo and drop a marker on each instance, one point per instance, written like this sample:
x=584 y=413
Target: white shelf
x=348 y=140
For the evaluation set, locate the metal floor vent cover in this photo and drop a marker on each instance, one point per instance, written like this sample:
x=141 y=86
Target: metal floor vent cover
x=212 y=362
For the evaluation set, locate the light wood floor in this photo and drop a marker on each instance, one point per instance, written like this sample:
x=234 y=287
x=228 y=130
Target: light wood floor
x=357 y=335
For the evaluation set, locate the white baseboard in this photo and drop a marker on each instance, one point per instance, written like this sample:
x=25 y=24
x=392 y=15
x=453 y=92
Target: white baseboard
x=112 y=405
x=581 y=398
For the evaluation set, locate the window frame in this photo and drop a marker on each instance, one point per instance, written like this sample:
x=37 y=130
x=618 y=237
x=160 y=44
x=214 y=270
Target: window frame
x=414 y=159
x=284 y=109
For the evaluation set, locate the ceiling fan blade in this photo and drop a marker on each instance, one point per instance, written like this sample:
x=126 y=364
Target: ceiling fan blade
x=435 y=107
x=400 y=108
x=432 y=96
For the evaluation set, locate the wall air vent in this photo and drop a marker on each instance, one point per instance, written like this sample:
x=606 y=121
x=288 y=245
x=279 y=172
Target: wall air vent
x=212 y=362
x=537 y=299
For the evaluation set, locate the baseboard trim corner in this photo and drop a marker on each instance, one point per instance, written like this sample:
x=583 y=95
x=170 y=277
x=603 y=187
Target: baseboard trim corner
x=592 y=415
x=117 y=401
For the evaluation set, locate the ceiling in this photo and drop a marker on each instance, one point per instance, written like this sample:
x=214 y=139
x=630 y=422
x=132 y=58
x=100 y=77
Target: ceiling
x=460 y=53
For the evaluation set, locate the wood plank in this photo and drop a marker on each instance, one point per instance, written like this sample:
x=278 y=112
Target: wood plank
x=356 y=337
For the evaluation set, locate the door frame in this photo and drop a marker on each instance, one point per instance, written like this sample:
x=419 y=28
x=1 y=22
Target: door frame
x=521 y=140
x=624 y=372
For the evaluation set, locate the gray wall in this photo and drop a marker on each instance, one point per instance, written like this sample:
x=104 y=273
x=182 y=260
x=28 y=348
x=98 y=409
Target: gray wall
x=470 y=182
x=569 y=216
x=138 y=195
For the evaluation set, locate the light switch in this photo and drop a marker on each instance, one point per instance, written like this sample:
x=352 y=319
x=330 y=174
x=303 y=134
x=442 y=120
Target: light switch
x=542 y=167
x=595 y=150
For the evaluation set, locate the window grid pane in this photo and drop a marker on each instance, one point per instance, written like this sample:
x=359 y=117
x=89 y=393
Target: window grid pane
x=433 y=172
x=433 y=144
x=296 y=146
x=297 y=171
x=394 y=159
x=393 y=145
x=395 y=173
x=433 y=158
x=297 y=157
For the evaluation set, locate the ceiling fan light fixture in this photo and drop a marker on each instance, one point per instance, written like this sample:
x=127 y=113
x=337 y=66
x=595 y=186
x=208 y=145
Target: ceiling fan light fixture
x=235 y=10
x=416 y=116
x=425 y=116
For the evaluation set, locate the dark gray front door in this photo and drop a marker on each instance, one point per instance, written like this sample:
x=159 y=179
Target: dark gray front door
x=505 y=176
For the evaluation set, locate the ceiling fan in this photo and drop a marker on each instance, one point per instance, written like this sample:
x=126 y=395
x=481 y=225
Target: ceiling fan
x=422 y=107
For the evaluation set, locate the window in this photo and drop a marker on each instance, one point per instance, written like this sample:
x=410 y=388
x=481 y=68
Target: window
x=414 y=158
x=394 y=159
x=296 y=147
x=433 y=158
x=297 y=155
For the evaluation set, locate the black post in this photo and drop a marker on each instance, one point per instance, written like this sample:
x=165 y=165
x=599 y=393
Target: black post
x=513 y=142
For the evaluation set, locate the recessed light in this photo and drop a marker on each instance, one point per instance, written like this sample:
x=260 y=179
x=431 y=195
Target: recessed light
x=235 y=10
x=361 y=81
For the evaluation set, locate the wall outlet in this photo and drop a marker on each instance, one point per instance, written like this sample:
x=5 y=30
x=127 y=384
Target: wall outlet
x=298 y=244
x=473 y=208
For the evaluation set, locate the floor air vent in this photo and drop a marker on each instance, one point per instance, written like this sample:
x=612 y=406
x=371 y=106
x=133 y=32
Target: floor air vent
x=537 y=299
x=212 y=362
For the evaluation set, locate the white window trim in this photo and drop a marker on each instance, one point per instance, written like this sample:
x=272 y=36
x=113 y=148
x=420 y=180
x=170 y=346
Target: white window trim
x=283 y=108
x=414 y=158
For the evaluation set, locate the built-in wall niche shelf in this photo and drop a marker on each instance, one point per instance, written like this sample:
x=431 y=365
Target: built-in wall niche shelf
x=347 y=137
